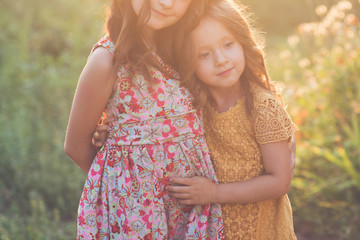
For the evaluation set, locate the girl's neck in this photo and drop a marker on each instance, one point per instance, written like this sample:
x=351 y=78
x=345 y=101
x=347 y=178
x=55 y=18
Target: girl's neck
x=222 y=101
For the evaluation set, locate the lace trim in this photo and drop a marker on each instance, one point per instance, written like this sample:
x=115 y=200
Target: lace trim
x=272 y=122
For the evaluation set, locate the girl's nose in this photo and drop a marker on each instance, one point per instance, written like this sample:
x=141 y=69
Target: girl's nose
x=220 y=58
x=167 y=3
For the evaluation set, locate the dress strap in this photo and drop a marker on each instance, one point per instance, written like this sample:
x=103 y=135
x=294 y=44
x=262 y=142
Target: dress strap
x=165 y=67
x=106 y=43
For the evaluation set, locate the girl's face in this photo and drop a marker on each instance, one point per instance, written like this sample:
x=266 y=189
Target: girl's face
x=220 y=57
x=164 y=13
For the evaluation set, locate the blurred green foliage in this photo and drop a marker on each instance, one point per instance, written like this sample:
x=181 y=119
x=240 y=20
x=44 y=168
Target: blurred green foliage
x=320 y=66
x=45 y=45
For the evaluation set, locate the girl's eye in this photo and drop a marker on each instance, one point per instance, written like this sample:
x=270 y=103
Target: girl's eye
x=229 y=44
x=204 y=55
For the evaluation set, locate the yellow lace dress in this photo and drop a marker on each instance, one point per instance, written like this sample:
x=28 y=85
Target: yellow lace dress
x=233 y=139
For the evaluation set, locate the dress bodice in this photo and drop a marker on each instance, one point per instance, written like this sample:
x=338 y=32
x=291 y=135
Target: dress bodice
x=147 y=112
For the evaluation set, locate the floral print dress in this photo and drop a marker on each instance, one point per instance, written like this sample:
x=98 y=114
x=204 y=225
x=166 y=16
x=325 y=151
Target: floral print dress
x=156 y=134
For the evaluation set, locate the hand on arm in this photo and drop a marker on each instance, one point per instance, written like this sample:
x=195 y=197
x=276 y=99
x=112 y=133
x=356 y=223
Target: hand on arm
x=92 y=93
x=274 y=183
x=100 y=134
x=194 y=190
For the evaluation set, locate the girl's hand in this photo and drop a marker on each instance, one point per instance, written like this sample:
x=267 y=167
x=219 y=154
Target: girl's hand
x=194 y=190
x=100 y=134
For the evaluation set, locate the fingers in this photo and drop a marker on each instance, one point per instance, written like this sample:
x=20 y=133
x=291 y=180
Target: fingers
x=102 y=128
x=107 y=120
x=187 y=181
x=177 y=189
x=99 y=136
x=179 y=192
x=96 y=136
x=98 y=144
x=188 y=191
x=181 y=181
x=101 y=133
x=179 y=196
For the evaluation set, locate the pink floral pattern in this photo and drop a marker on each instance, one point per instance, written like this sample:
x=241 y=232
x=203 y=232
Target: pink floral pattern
x=157 y=134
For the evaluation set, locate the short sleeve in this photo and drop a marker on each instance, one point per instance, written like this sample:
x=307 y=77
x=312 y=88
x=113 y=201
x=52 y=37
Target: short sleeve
x=272 y=122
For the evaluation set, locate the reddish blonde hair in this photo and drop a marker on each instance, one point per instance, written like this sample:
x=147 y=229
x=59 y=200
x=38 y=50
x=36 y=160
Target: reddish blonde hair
x=170 y=39
x=236 y=20
x=126 y=31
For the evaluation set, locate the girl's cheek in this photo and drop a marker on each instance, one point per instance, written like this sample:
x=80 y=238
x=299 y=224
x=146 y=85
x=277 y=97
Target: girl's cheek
x=201 y=68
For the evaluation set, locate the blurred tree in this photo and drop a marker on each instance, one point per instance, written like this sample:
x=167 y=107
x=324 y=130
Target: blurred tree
x=281 y=17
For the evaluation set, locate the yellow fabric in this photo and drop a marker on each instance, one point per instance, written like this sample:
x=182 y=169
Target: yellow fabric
x=233 y=139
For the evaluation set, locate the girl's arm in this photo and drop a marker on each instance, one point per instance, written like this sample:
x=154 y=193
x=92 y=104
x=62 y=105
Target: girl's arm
x=274 y=183
x=292 y=150
x=92 y=93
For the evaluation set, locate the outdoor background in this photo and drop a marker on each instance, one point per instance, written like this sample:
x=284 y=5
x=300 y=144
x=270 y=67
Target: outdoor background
x=313 y=48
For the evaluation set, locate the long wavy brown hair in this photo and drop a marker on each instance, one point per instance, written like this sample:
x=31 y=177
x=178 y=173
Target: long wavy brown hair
x=133 y=47
x=169 y=40
x=235 y=18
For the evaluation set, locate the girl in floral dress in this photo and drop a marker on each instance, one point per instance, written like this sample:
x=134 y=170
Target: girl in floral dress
x=155 y=132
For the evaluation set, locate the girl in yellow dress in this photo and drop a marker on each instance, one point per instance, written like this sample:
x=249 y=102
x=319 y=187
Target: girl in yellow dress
x=247 y=128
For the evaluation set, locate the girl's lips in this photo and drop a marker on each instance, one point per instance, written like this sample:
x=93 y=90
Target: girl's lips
x=226 y=72
x=159 y=13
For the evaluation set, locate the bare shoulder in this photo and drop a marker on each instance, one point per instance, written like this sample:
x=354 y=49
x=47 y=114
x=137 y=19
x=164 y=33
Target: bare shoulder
x=99 y=68
x=101 y=58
